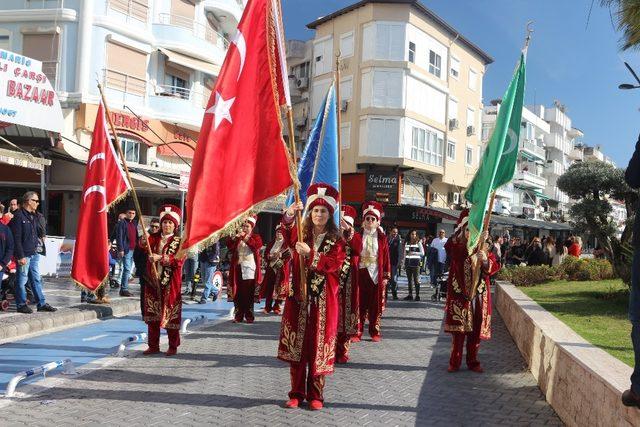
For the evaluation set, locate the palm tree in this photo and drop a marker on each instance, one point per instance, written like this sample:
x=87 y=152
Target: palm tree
x=627 y=14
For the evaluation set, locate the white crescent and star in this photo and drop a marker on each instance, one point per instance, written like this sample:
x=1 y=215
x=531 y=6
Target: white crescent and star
x=99 y=156
x=513 y=142
x=241 y=45
x=96 y=189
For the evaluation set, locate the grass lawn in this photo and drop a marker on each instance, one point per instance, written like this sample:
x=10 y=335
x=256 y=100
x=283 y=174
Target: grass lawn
x=597 y=311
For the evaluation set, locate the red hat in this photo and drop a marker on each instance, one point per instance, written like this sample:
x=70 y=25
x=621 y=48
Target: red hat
x=170 y=212
x=322 y=194
x=463 y=219
x=372 y=208
x=252 y=218
x=349 y=214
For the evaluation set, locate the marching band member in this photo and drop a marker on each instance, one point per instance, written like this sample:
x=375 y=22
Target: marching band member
x=276 y=277
x=245 y=269
x=348 y=296
x=309 y=327
x=468 y=306
x=162 y=297
x=374 y=270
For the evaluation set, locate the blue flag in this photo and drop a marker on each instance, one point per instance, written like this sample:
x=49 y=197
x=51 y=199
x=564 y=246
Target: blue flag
x=319 y=162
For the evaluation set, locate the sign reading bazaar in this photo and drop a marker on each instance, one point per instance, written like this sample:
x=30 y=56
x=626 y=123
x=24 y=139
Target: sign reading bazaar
x=26 y=95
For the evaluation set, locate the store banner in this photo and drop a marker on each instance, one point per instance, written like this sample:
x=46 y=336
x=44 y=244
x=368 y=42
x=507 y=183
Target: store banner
x=27 y=96
x=382 y=186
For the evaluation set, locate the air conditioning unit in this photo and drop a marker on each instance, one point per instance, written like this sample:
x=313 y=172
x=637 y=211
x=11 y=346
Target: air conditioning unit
x=454 y=198
x=302 y=83
x=454 y=124
x=343 y=105
x=434 y=196
x=471 y=130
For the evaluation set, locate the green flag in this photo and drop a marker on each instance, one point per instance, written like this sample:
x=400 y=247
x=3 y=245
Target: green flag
x=499 y=161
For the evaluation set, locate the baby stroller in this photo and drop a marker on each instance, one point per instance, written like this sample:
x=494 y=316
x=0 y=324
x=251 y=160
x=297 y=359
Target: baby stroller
x=8 y=286
x=441 y=288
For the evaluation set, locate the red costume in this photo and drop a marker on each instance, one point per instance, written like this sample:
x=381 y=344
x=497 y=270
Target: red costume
x=348 y=297
x=244 y=252
x=467 y=310
x=374 y=270
x=162 y=299
x=275 y=284
x=308 y=330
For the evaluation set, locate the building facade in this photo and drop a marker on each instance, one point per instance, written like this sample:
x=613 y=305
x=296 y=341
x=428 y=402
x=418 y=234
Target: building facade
x=411 y=103
x=157 y=61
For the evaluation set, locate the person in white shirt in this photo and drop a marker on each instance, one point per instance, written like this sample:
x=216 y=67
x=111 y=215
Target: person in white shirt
x=414 y=252
x=438 y=267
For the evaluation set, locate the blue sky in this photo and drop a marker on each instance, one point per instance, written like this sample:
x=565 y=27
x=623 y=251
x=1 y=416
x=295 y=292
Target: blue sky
x=577 y=63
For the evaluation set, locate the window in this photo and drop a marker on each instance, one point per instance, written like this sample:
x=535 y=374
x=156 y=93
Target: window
x=380 y=137
x=434 y=63
x=130 y=148
x=318 y=92
x=178 y=87
x=346 y=45
x=383 y=41
x=412 y=52
x=468 y=157
x=426 y=146
x=5 y=41
x=471 y=117
x=126 y=69
x=345 y=135
x=453 y=108
x=346 y=89
x=425 y=100
x=486 y=131
x=44 y=48
x=138 y=9
x=451 y=150
x=323 y=56
x=387 y=89
x=301 y=71
x=473 y=76
x=455 y=68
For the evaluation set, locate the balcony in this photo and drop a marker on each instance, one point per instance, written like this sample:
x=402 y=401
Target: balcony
x=185 y=35
x=178 y=104
x=133 y=11
x=228 y=12
x=123 y=88
x=554 y=141
x=576 y=154
x=526 y=179
x=530 y=147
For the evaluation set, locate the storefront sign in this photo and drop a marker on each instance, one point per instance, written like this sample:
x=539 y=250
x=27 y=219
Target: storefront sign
x=26 y=95
x=184 y=180
x=382 y=186
x=125 y=121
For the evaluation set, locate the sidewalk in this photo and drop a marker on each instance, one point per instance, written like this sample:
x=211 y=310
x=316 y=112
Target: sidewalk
x=227 y=374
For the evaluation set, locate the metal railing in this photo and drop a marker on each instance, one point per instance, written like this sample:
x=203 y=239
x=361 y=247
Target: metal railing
x=175 y=91
x=43 y=4
x=124 y=82
x=533 y=148
x=138 y=9
x=532 y=178
x=50 y=69
x=198 y=30
x=67 y=364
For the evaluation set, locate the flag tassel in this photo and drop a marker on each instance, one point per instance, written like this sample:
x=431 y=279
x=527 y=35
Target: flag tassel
x=134 y=194
x=296 y=192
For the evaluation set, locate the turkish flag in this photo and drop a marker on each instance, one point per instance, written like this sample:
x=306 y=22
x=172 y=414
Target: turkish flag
x=104 y=184
x=240 y=159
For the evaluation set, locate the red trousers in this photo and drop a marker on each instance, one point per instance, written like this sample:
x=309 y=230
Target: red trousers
x=303 y=384
x=370 y=303
x=243 y=300
x=473 y=342
x=153 y=329
x=269 y=286
x=343 y=345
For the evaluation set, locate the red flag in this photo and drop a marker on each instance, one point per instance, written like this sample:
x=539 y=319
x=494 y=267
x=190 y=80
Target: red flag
x=240 y=160
x=104 y=184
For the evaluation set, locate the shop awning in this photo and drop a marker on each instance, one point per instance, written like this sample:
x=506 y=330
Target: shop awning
x=189 y=62
x=23 y=160
x=542 y=196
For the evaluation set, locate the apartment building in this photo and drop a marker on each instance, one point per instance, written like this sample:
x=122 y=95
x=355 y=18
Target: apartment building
x=299 y=55
x=411 y=102
x=157 y=61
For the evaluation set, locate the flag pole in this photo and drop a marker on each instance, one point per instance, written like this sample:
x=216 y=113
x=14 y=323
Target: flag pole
x=296 y=193
x=134 y=194
x=339 y=108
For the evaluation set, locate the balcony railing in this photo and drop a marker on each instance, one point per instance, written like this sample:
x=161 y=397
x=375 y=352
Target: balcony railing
x=124 y=82
x=198 y=30
x=528 y=178
x=576 y=154
x=43 y=4
x=138 y=9
x=533 y=149
x=50 y=69
x=175 y=91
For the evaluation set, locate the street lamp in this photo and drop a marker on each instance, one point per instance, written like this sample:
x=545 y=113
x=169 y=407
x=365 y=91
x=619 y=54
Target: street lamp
x=626 y=86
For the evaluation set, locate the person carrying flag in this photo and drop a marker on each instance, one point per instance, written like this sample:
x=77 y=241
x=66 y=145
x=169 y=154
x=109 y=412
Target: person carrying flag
x=276 y=276
x=468 y=306
x=349 y=308
x=309 y=325
x=374 y=270
x=162 y=296
x=245 y=269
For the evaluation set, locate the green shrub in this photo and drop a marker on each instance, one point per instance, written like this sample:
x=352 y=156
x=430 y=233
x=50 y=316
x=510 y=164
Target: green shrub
x=528 y=276
x=585 y=269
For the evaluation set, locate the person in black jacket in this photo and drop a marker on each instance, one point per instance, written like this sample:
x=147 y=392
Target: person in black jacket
x=395 y=255
x=24 y=226
x=209 y=260
x=631 y=397
x=535 y=254
x=127 y=240
x=6 y=249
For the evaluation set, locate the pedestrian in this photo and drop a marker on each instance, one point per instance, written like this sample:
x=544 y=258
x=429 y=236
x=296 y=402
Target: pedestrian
x=245 y=271
x=275 y=282
x=395 y=255
x=631 y=397
x=309 y=326
x=414 y=252
x=162 y=298
x=426 y=243
x=209 y=260
x=6 y=250
x=468 y=306
x=549 y=250
x=516 y=254
x=5 y=218
x=575 y=248
x=141 y=257
x=374 y=270
x=190 y=269
x=535 y=254
x=24 y=227
x=348 y=296
x=127 y=239
x=13 y=206
x=496 y=249
x=560 y=253
x=438 y=244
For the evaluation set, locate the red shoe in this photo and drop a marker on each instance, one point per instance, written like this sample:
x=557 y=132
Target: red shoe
x=150 y=350
x=315 y=405
x=276 y=310
x=266 y=310
x=356 y=339
x=476 y=368
x=452 y=369
x=292 y=403
x=249 y=320
x=172 y=351
x=236 y=320
x=342 y=359
x=376 y=338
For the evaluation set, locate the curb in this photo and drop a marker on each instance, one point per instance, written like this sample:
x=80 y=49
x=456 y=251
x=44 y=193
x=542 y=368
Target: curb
x=36 y=323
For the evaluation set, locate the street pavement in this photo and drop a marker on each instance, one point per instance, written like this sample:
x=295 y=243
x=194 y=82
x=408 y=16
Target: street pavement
x=227 y=374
